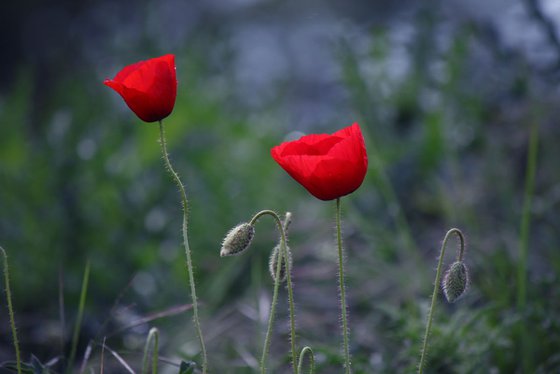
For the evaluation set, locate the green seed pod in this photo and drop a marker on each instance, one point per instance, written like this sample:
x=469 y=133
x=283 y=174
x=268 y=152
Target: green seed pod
x=237 y=239
x=273 y=263
x=455 y=281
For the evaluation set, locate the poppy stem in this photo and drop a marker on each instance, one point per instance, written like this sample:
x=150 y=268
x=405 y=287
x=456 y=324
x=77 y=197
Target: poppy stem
x=284 y=253
x=342 y=289
x=185 y=204
x=460 y=253
x=11 y=309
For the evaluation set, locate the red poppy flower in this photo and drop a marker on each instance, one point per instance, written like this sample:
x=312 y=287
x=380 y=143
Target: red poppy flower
x=328 y=166
x=149 y=87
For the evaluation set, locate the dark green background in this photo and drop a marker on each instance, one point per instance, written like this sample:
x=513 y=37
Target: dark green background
x=445 y=94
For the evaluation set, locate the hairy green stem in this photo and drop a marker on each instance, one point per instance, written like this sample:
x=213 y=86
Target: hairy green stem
x=11 y=309
x=284 y=253
x=305 y=350
x=79 y=317
x=342 y=289
x=460 y=254
x=530 y=173
x=287 y=256
x=185 y=204
x=152 y=335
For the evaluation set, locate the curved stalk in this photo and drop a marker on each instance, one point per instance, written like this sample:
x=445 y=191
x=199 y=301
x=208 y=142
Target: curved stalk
x=185 y=204
x=285 y=255
x=11 y=309
x=152 y=335
x=460 y=253
x=305 y=350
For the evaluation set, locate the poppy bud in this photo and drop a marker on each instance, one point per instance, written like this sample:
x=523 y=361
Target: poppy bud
x=455 y=281
x=273 y=263
x=237 y=239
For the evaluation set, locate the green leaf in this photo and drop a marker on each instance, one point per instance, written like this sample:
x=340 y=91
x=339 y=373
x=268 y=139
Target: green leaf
x=11 y=367
x=38 y=367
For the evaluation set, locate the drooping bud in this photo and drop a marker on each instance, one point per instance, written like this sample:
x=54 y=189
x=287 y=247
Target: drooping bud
x=273 y=263
x=237 y=239
x=455 y=281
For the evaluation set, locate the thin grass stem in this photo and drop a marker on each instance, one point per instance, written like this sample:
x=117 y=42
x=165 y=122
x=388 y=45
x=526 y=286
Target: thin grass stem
x=102 y=365
x=11 y=309
x=85 y=359
x=524 y=230
x=185 y=204
x=61 y=314
x=362 y=99
x=79 y=317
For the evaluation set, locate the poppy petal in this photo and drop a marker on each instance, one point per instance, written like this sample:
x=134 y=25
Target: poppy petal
x=328 y=166
x=149 y=87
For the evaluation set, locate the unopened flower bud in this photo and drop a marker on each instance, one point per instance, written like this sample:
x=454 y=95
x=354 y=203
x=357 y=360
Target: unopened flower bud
x=273 y=263
x=455 y=281
x=237 y=239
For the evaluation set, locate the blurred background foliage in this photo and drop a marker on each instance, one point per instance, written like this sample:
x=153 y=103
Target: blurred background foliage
x=445 y=93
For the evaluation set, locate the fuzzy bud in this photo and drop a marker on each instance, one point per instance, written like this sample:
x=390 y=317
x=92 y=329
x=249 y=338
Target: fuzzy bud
x=273 y=263
x=237 y=239
x=455 y=281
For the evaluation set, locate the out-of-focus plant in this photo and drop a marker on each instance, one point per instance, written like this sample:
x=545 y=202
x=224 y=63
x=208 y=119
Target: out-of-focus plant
x=6 y=271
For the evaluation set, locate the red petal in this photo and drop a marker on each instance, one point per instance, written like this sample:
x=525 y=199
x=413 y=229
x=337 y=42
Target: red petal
x=148 y=87
x=328 y=166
